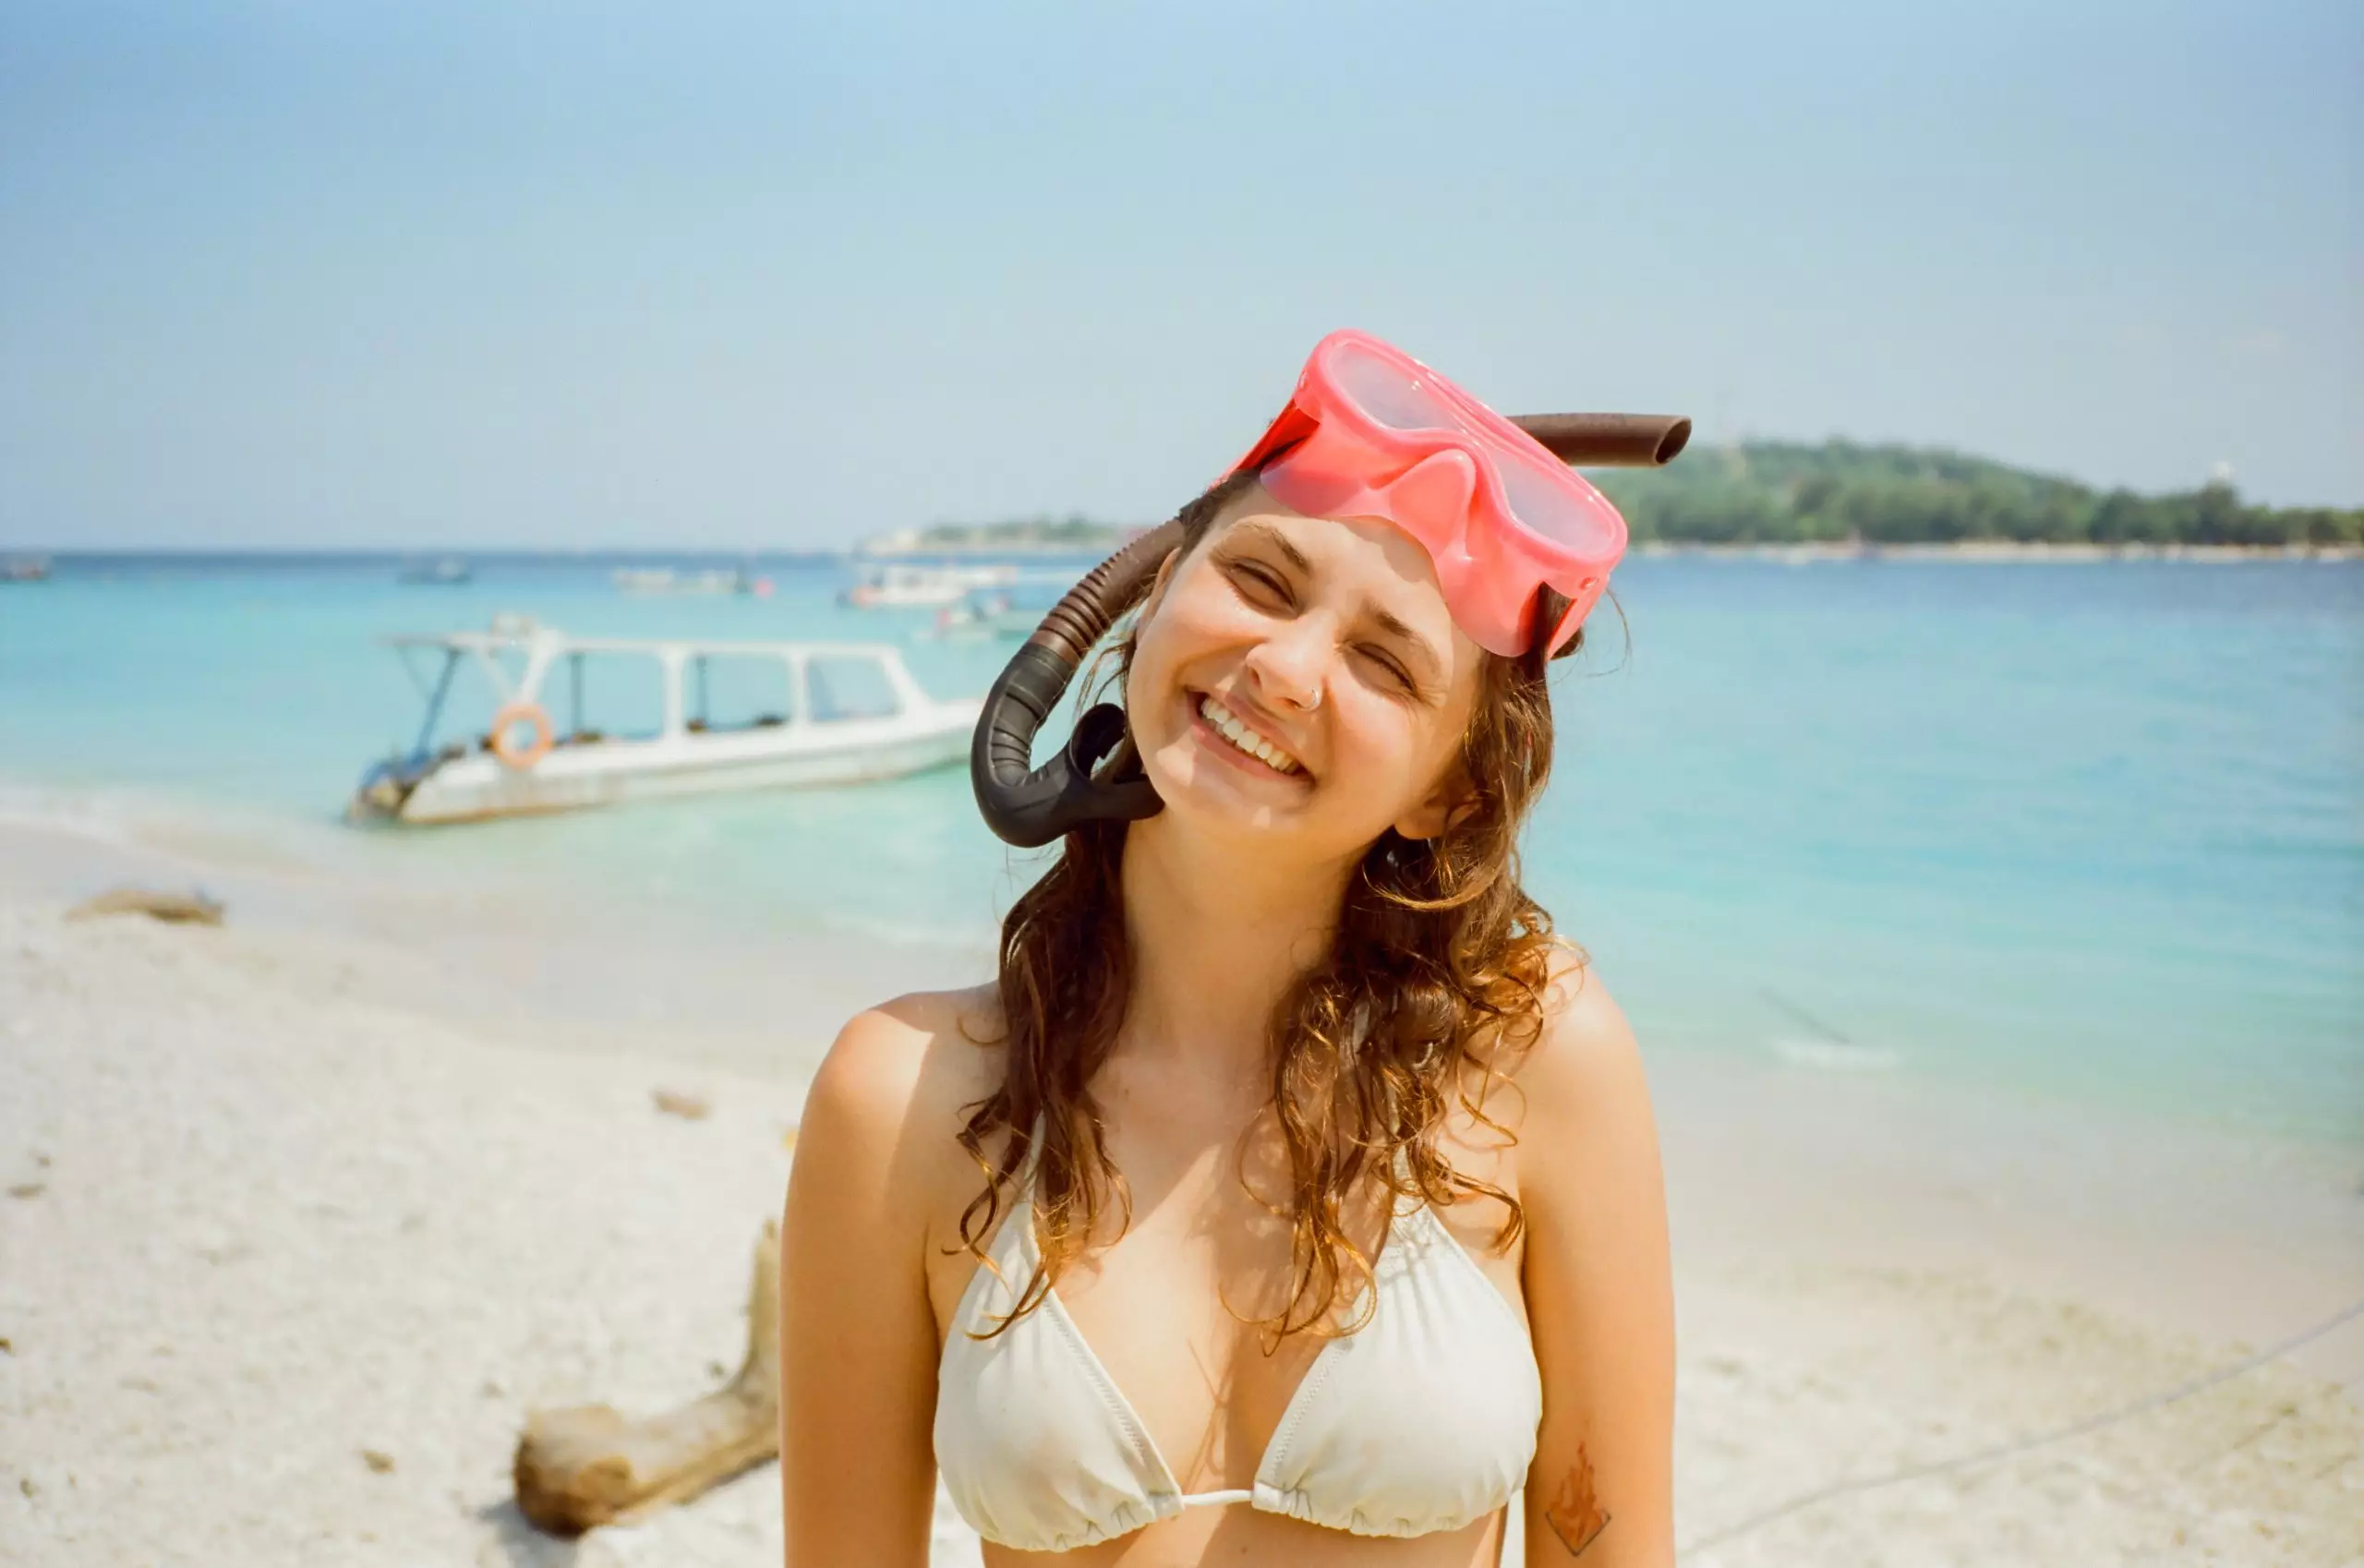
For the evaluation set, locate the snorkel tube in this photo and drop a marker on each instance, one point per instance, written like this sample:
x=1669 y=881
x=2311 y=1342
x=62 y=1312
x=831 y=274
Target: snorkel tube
x=1028 y=806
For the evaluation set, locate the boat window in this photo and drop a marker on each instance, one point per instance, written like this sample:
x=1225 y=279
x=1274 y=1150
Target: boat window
x=735 y=691
x=605 y=696
x=849 y=686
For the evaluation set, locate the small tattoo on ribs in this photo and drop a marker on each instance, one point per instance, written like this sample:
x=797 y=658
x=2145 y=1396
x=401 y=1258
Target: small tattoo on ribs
x=1576 y=1514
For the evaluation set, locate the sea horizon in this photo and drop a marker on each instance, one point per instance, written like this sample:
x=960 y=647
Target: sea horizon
x=1834 y=551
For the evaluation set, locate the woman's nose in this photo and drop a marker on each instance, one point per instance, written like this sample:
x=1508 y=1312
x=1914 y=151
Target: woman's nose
x=1291 y=667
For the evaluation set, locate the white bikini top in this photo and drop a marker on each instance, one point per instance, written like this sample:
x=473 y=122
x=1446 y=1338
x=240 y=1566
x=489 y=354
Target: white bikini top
x=1423 y=1419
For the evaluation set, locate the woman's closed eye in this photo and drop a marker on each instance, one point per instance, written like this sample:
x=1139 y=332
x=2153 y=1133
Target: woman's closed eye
x=1390 y=669
x=1259 y=584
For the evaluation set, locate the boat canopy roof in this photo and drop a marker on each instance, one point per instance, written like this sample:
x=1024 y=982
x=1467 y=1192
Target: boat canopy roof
x=547 y=639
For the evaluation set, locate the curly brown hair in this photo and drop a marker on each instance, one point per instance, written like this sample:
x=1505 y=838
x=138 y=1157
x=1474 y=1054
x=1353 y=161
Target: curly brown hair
x=1439 y=962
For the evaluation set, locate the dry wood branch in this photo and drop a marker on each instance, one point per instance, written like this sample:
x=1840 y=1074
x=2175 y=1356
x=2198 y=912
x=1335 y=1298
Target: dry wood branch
x=176 y=909
x=588 y=1466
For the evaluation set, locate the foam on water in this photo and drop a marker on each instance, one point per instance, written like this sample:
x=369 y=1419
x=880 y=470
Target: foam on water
x=1831 y=1055
x=2095 y=831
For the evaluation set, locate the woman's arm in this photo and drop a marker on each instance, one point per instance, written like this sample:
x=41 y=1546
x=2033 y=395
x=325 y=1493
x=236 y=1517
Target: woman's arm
x=857 y=1348
x=1599 y=1292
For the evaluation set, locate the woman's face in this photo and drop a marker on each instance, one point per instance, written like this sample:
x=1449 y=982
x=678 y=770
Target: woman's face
x=1325 y=646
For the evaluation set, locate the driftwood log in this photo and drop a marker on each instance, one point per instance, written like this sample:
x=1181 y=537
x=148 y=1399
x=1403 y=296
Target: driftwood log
x=176 y=909
x=585 y=1467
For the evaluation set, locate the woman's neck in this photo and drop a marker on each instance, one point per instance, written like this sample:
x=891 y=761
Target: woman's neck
x=1218 y=933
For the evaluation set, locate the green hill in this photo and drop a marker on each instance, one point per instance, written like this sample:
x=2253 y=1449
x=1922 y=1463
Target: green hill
x=1785 y=493
x=1782 y=492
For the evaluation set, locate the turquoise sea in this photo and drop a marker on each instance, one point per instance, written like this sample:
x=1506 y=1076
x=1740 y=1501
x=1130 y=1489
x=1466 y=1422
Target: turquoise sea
x=2086 y=831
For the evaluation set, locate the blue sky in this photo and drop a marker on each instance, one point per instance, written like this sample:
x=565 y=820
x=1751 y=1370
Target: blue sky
x=562 y=274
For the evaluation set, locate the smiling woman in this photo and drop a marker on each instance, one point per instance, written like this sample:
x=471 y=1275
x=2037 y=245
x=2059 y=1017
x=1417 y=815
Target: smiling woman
x=1293 y=1195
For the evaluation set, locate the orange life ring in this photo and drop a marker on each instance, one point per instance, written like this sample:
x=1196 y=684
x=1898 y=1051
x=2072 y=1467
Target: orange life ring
x=504 y=735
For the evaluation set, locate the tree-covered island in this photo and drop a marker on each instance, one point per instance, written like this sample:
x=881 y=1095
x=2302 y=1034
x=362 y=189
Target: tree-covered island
x=1787 y=493
x=1838 y=496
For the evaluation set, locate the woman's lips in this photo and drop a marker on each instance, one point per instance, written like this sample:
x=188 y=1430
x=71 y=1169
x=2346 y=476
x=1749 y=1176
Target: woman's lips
x=1215 y=741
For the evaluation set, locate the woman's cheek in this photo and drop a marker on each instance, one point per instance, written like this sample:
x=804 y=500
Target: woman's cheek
x=1384 y=756
x=1212 y=615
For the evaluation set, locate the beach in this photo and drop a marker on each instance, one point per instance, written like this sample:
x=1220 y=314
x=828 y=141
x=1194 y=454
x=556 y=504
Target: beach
x=300 y=1225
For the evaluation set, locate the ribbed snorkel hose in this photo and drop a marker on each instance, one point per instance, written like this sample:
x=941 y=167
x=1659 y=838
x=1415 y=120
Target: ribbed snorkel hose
x=1030 y=806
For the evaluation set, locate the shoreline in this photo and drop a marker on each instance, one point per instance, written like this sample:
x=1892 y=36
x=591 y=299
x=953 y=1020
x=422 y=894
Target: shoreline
x=508 y=950
x=1947 y=1173
x=308 y=1187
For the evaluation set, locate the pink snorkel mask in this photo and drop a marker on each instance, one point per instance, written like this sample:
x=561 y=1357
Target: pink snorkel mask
x=1372 y=432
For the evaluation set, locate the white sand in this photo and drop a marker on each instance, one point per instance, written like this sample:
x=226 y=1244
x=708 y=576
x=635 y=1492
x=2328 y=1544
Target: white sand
x=290 y=1194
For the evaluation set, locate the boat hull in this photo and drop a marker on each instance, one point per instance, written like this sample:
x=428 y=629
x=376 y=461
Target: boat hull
x=479 y=787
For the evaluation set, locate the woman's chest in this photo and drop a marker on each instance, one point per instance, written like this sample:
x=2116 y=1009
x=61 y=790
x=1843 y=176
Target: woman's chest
x=1181 y=1301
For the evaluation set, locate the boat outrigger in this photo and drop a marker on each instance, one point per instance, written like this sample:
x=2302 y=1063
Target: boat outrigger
x=839 y=713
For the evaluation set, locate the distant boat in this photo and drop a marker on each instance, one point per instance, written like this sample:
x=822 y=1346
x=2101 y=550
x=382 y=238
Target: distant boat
x=25 y=569
x=904 y=587
x=448 y=573
x=666 y=580
x=971 y=618
x=985 y=614
x=848 y=712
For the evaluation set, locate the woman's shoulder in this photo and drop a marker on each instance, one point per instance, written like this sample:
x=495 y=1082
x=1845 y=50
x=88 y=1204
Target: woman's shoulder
x=1580 y=1101
x=1581 y=1058
x=909 y=1066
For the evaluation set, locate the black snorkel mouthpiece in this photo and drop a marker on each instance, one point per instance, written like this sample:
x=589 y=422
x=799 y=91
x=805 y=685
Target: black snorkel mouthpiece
x=1028 y=806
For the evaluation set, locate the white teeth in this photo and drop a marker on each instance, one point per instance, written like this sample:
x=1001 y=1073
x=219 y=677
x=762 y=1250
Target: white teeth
x=1228 y=726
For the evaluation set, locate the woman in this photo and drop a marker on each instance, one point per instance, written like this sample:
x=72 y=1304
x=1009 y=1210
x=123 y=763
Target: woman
x=1292 y=1196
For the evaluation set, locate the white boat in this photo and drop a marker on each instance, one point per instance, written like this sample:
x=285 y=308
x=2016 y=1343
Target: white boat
x=666 y=580
x=904 y=586
x=448 y=571
x=846 y=712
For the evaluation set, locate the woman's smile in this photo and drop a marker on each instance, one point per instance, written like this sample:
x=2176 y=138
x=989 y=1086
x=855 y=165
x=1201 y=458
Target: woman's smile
x=1241 y=744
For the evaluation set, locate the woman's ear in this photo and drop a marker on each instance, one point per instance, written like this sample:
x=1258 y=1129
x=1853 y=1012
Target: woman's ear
x=1443 y=807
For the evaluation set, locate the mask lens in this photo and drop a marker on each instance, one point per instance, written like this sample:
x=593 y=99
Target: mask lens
x=1386 y=393
x=1545 y=506
x=1400 y=397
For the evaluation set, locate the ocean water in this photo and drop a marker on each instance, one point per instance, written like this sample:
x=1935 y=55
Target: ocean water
x=2091 y=832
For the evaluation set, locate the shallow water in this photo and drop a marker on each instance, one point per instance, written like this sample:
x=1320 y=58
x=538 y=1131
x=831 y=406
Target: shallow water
x=2088 y=831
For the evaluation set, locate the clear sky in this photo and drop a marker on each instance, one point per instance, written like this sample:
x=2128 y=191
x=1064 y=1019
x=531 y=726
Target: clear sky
x=784 y=274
